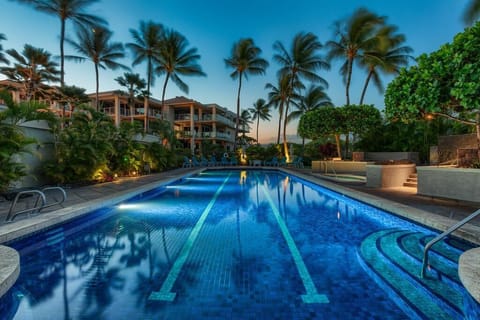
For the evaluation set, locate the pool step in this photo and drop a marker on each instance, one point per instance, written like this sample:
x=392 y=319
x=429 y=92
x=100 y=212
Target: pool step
x=412 y=181
x=394 y=257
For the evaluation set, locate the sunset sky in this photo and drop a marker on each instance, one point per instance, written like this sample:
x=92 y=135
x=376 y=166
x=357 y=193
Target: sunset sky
x=213 y=26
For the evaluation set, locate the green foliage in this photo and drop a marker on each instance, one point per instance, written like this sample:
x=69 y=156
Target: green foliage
x=127 y=155
x=321 y=122
x=12 y=139
x=82 y=148
x=360 y=118
x=444 y=83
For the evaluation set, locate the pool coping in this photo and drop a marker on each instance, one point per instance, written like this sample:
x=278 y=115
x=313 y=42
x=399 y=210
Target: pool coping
x=10 y=262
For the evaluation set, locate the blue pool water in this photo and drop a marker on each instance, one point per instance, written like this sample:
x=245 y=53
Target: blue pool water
x=237 y=245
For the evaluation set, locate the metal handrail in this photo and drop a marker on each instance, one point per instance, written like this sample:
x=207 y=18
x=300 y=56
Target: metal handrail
x=40 y=202
x=40 y=195
x=443 y=235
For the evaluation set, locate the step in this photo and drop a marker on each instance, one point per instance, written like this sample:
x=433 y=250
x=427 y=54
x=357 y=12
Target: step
x=414 y=295
x=410 y=184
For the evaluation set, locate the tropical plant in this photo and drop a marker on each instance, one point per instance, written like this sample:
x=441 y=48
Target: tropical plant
x=83 y=148
x=323 y=122
x=353 y=36
x=175 y=59
x=13 y=141
x=444 y=83
x=134 y=85
x=388 y=56
x=3 y=59
x=127 y=155
x=147 y=41
x=244 y=60
x=260 y=111
x=472 y=12
x=95 y=45
x=71 y=96
x=302 y=61
x=245 y=119
x=313 y=98
x=279 y=95
x=73 y=10
x=32 y=68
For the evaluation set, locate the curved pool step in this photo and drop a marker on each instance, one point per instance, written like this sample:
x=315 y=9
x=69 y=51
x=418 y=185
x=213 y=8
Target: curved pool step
x=446 y=248
x=442 y=260
x=388 y=244
x=400 y=272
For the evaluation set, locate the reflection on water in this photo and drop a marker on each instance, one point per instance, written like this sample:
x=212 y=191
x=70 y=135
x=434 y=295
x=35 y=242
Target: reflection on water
x=106 y=266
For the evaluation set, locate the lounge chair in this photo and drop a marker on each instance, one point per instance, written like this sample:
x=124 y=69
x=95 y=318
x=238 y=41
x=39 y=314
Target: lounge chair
x=273 y=162
x=186 y=163
x=224 y=161
x=195 y=162
x=213 y=161
x=298 y=162
x=203 y=161
x=283 y=162
x=234 y=161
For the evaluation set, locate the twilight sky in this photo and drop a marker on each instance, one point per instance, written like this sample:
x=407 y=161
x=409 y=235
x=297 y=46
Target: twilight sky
x=212 y=26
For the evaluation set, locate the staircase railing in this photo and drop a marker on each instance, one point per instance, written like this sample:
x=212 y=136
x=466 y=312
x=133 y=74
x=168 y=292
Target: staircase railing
x=450 y=230
x=40 y=202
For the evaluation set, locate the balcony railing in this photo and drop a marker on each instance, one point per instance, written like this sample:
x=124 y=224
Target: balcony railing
x=205 y=135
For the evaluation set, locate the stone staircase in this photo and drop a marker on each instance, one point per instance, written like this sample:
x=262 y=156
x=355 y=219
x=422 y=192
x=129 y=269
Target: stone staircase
x=412 y=181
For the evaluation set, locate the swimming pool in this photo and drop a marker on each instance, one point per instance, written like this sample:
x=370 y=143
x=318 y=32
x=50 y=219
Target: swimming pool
x=240 y=245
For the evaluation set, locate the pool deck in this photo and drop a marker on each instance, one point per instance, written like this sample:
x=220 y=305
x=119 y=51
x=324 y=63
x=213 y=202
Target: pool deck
x=435 y=213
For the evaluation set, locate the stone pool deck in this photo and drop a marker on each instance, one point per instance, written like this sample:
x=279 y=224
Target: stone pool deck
x=435 y=213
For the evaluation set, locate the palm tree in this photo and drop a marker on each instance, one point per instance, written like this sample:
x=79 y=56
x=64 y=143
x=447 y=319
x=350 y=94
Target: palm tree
x=2 y=56
x=175 y=59
x=472 y=12
x=354 y=36
x=147 y=41
x=278 y=96
x=244 y=60
x=302 y=61
x=32 y=68
x=314 y=97
x=135 y=85
x=95 y=45
x=67 y=10
x=260 y=111
x=245 y=118
x=388 y=56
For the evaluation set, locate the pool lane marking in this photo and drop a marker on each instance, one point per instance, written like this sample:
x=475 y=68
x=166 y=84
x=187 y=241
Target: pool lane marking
x=312 y=295
x=165 y=293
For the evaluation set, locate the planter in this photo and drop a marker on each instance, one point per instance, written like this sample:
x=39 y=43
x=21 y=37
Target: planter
x=389 y=175
x=452 y=183
x=352 y=167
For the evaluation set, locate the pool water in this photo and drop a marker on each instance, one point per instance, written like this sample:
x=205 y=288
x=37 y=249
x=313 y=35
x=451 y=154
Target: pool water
x=237 y=245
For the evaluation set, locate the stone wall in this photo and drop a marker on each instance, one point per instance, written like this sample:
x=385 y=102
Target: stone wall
x=448 y=145
x=385 y=156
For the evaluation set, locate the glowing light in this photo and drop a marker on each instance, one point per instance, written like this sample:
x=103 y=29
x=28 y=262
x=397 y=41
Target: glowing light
x=243 y=176
x=338 y=215
x=126 y=206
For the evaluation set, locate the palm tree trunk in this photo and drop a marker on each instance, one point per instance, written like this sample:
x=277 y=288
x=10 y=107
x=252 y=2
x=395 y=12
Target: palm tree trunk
x=339 y=149
x=62 y=53
x=147 y=96
x=366 y=85
x=349 y=79
x=167 y=77
x=285 y=143
x=280 y=121
x=96 y=86
x=258 y=123
x=237 y=120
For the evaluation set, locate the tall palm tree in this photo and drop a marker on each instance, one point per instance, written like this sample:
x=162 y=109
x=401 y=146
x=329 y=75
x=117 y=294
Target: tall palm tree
x=246 y=119
x=175 y=59
x=95 y=45
x=3 y=59
x=244 y=60
x=388 y=56
x=260 y=111
x=279 y=95
x=302 y=61
x=134 y=85
x=147 y=41
x=353 y=36
x=313 y=98
x=32 y=68
x=67 y=10
x=472 y=12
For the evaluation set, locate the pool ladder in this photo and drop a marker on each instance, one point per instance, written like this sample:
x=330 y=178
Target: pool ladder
x=450 y=230
x=40 y=202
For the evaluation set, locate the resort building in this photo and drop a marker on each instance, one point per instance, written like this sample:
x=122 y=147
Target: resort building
x=195 y=123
